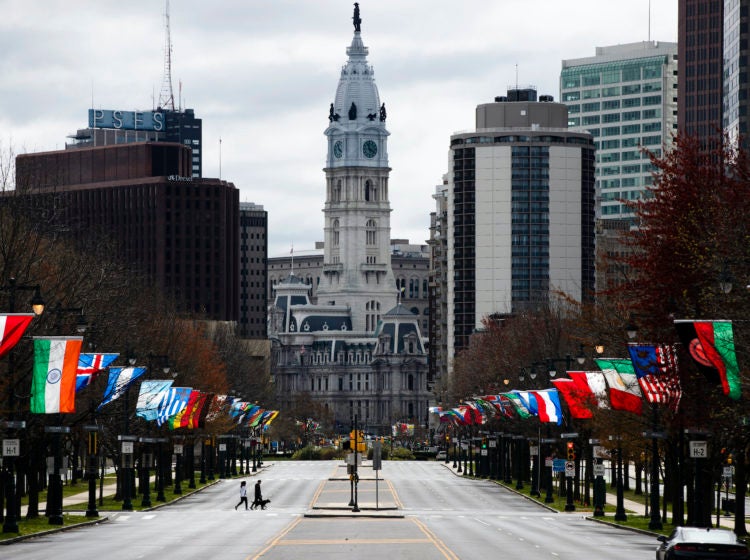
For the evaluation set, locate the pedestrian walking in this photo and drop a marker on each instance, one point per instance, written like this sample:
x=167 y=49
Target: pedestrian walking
x=258 y=501
x=243 y=495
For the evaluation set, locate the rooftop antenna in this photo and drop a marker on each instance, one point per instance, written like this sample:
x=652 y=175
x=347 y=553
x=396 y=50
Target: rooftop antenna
x=291 y=252
x=649 y=21
x=166 y=96
x=220 y=158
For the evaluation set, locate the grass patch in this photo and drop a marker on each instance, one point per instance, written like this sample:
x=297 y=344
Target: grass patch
x=41 y=524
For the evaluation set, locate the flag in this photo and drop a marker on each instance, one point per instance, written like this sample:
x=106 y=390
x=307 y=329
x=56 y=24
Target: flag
x=53 y=385
x=520 y=407
x=624 y=390
x=120 y=380
x=594 y=383
x=12 y=327
x=180 y=420
x=548 y=405
x=501 y=403
x=207 y=407
x=150 y=397
x=216 y=407
x=173 y=403
x=655 y=367
x=528 y=401
x=197 y=410
x=711 y=345
x=574 y=397
x=89 y=365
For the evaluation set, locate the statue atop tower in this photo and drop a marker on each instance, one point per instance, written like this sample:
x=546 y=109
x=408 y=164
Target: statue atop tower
x=356 y=19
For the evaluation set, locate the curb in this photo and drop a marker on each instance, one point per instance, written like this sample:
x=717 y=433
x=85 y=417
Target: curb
x=56 y=530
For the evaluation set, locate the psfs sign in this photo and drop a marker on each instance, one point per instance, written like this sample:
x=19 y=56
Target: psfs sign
x=127 y=120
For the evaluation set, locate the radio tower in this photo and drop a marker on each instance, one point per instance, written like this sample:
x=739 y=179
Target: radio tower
x=166 y=97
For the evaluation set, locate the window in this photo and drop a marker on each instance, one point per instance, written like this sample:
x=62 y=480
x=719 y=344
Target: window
x=571 y=96
x=631 y=116
x=609 y=105
x=335 y=233
x=591 y=94
x=590 y=119
x=571 y=82
x=611 y=117
x=652 y=127
x=630 y=90
x=611 y=91
x=589 y=107
x=631 y=129
x=370 y=232
x=652 y=100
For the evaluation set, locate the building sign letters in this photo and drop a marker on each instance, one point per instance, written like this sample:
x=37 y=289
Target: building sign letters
x=127 y=120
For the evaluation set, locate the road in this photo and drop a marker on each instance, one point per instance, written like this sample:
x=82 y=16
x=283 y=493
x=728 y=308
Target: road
x=425 y=512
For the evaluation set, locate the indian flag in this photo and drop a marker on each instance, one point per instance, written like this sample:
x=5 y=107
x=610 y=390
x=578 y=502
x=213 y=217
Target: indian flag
x=53 y=387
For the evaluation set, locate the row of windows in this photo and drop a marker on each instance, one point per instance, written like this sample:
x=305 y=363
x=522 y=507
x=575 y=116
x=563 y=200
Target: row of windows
x=644 y=180
x=613 y=72
x=518 y=138
x=624 y=169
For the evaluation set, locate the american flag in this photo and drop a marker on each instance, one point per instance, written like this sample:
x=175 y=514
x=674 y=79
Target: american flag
x=655 y=367
x=89 y=365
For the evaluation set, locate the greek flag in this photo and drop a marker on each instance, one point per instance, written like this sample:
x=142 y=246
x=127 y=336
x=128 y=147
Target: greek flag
x=174 y=401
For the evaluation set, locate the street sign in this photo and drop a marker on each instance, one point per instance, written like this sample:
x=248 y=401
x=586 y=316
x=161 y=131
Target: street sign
x=599 y=469
x=127 y=447
x=698 y=449
x=548 y=462
x=178 y=448
x=222 y=447
x=570 y=469
x=569 y=435
x=11 y=447
x=558 y=465
x=493 y=444
x=534 y=450
x=727 y=472
x=484 y=452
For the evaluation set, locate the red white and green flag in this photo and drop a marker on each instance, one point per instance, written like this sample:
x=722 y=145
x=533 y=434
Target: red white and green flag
x=12 y=327
x=53 y=386
x=711 y=346
x=624 y=390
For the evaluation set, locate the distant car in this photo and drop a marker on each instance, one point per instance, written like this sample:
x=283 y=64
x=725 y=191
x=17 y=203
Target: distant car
x=440 y=456
x=697 y=543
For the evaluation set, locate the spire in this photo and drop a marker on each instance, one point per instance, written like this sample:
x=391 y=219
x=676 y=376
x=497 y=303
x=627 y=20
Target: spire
x=166 y=96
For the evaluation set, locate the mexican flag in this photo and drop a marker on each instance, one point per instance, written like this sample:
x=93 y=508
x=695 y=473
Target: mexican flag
x=53 y=387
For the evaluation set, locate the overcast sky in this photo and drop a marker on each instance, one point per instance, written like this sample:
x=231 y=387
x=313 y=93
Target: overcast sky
x=262 y=73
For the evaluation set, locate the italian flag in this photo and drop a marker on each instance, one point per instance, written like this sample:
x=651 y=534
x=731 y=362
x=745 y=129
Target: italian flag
x=53 y=387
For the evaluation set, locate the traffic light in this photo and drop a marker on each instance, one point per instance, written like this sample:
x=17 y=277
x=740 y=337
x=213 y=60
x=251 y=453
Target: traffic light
x=571 y=451
x=484 y=443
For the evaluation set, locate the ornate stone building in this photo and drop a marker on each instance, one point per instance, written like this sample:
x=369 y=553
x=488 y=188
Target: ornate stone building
x=357 y=350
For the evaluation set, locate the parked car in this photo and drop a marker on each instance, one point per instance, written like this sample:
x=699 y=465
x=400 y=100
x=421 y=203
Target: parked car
x=697 y=542
x=440 y=455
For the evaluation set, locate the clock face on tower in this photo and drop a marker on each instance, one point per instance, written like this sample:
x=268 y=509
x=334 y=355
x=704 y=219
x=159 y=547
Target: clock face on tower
x=338 y=149
x=369 y=149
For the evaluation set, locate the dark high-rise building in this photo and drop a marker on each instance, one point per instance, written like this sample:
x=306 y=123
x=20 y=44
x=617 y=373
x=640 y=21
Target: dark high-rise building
x=180 y=232
x=700 y=53
x=253 y=271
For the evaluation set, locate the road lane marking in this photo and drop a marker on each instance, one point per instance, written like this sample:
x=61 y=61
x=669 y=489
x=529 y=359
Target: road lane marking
x=440 y=545
x=278 y=537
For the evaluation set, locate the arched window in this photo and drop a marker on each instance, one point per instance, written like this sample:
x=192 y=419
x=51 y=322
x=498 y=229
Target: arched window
x=335 y=233
x=370 y=232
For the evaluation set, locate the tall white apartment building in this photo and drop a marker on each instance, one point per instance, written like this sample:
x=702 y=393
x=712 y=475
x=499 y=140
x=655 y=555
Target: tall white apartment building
x=625 y=96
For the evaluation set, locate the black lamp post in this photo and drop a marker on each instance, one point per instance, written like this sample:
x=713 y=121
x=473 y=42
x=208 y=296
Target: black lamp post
x=10 y=521
x=655 y=519
x=127 y=450
x=620 y=514
x=91 y=467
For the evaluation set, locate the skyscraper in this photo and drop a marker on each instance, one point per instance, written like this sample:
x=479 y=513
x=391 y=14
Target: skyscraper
x=625 y=96
x=520 y=214
x=701 y=41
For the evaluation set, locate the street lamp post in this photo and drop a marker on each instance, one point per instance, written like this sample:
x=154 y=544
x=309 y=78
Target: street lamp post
x=127 y=450
x=91 y=467
x=620 y=514
x=655 y=519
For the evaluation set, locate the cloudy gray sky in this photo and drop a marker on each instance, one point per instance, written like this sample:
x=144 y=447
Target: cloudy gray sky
x=262 y=73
